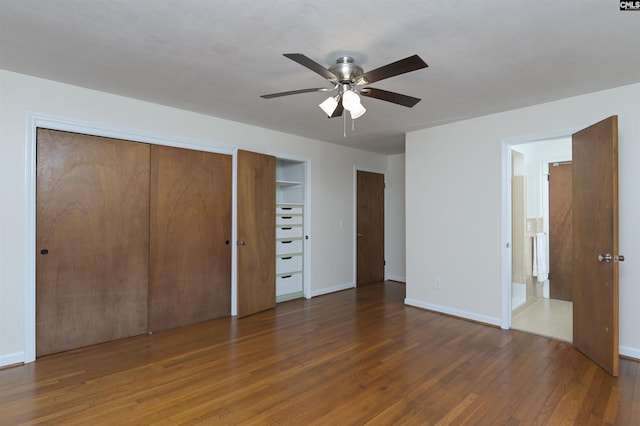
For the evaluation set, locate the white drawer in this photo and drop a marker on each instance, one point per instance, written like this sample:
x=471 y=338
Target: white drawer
x=290 y=283
x=287 y=263
x=283 y=231
x=284 y=219
x=285 y=210
x=288 y=246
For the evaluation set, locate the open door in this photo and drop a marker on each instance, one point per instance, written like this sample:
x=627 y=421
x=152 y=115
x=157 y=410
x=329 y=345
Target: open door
x=595 y=243
x=256 y=232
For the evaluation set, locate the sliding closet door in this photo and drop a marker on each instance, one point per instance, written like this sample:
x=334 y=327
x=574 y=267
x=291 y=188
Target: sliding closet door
x=256 y=232
x=92 y=229
x=190 y=231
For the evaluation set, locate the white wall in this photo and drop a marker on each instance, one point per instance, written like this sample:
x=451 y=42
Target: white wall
x=536 y=155
x=454 y=205
x=395 y=219
x=331 y=186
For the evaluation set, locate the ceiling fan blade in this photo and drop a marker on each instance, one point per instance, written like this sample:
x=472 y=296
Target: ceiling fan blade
x=295 y=92
x=312 y=65
x=412 y=63
x=339 y=110
x=393 y=97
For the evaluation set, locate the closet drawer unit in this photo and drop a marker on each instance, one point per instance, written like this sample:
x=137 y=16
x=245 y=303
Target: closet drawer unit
x=286 y=210
x=284 y=219
x=283 y=231
x=288 y=263
x=288 y=246
x=290 y=283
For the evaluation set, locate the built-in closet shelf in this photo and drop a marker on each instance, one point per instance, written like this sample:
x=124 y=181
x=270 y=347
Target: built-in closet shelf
x=290 y=233
x=289 y=250
x=288 y=183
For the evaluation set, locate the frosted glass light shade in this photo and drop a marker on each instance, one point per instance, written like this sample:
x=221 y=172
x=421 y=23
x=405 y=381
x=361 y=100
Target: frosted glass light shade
x=329 y=106
x=350 y=100
x=358 y=111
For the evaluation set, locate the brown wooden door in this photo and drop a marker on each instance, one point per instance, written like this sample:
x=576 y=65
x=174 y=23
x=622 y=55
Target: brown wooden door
x=256 y=215
x=190 y=233
x=560 y=225
x=370 y=228
x=595 y=232
x=92 y=225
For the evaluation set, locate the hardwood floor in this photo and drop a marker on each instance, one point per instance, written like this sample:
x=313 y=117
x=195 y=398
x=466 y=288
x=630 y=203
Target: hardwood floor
x=353 y=357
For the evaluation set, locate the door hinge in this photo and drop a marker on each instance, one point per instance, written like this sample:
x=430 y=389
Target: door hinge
x=384 y=262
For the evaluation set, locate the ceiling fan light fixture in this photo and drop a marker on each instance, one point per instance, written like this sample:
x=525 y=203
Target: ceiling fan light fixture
x=357 y=111
x=351 y=102
x=329 y=105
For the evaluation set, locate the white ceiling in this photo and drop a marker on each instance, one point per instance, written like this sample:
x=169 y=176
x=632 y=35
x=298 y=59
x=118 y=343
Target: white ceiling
x=217 y=57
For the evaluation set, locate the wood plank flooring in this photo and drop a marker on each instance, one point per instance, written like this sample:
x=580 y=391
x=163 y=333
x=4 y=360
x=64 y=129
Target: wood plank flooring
x=353 y=357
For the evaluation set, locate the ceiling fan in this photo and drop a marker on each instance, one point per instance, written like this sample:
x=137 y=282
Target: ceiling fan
x=346 y=77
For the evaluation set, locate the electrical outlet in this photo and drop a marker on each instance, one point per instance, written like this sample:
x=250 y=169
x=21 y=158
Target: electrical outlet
x=437 y=283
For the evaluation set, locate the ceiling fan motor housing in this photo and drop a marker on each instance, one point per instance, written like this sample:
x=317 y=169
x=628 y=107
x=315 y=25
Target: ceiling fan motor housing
x=346 y=71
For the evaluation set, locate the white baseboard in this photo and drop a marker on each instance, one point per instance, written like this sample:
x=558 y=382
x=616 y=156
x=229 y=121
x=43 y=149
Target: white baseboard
x=399 y=278
x=328 y=290
x=623 y=350
x=11 y=359
x=629 y=352
x=454 y=312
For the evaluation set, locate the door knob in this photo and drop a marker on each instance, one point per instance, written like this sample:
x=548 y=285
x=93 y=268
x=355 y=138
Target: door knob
x=359 y=235
x=605 y=258
x=242 y=243
x=608 y=258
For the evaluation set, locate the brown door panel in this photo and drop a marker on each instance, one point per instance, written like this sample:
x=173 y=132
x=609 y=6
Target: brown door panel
x=560 y=231
x=370 y=228
x=92 y=224
x=190 y=229
x=256 y=232
x=595 y=231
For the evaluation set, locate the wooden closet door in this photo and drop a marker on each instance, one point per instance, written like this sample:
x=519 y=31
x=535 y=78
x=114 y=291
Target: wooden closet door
x=256 y=232
x=92 y=215
x=190 y=232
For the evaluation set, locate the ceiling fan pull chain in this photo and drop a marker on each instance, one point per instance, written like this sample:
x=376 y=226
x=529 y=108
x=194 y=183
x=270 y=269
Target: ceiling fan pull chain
x=344 y=125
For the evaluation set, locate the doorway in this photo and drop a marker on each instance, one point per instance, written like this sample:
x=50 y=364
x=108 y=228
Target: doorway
x=538 y=305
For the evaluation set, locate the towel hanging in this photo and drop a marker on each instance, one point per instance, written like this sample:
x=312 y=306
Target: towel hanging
x=540 y=258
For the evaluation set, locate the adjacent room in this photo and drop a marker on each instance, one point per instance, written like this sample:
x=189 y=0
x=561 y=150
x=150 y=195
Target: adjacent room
x=319 y=212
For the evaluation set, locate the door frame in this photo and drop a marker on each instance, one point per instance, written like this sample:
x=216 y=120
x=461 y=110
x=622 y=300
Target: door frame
x=506 y=252
x=357 y=169
x=33 y=122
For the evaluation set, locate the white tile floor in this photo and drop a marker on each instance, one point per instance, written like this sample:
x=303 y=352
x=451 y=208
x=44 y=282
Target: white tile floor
x=547 y=317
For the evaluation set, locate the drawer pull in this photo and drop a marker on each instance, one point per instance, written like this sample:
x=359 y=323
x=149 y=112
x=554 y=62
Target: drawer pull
x=287 y=217
x=286 y=208
x=286 y=242
x=286 y=258
x=286 y=276
x=286 y=228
